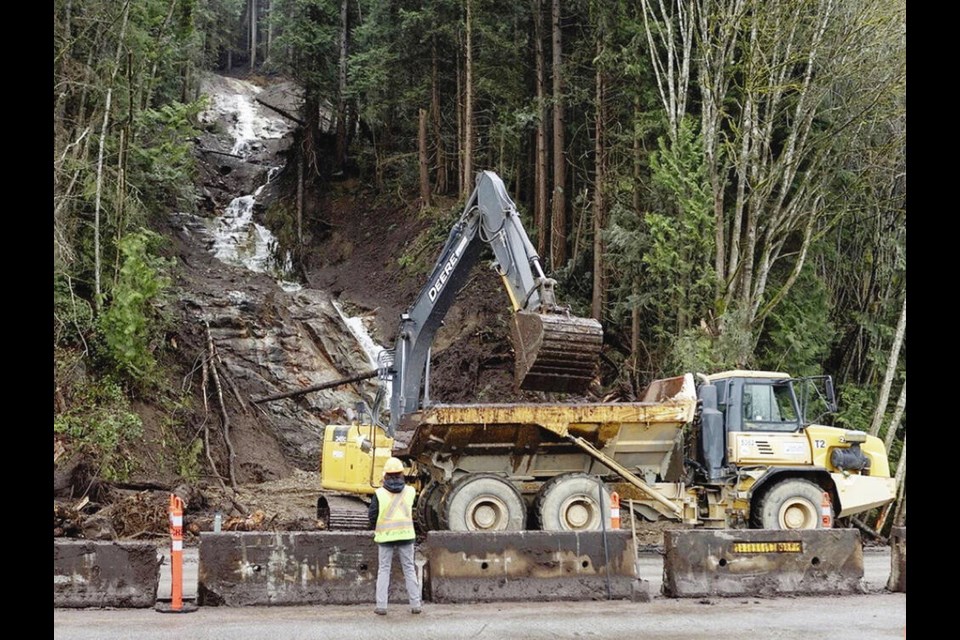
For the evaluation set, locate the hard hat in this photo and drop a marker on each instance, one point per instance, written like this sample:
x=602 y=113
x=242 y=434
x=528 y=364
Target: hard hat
x=393 y=465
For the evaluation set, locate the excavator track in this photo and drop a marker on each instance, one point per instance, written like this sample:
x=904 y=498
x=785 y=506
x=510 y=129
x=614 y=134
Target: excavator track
x=556 y=351
x=341 y=513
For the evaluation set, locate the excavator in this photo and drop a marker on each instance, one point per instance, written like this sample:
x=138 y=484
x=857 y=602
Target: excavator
x=555 y=350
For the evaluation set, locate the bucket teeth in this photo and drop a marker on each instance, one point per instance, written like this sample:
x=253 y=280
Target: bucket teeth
x=555 y=351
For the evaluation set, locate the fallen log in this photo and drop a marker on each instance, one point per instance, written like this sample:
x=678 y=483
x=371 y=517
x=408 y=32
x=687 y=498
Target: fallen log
x=221 y=153
x=316 y=387
x=280 y=111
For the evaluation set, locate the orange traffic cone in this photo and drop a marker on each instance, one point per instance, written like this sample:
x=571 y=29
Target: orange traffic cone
x=614 y=510
x=826 y=512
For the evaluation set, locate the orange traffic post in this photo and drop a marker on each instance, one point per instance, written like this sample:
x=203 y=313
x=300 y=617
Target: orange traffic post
x=614 y=510
x=176 y=558
x=826 y=512
x=176 y=552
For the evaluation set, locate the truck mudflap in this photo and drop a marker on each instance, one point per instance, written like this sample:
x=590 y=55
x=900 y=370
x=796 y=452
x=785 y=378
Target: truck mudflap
x=555 y=351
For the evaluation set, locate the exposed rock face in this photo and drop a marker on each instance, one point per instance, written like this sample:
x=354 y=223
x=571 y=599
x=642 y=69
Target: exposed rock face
x=273 y=341
x=270 y=339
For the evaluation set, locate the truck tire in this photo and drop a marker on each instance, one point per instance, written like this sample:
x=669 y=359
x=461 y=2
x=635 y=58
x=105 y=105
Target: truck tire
x=790 y=504
x=483 y=502
x=571 y=502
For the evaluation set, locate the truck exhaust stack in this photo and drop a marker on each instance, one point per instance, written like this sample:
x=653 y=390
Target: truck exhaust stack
x=555 y=351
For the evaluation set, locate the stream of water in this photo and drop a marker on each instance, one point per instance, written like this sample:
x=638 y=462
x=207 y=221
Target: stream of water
x=234 y=237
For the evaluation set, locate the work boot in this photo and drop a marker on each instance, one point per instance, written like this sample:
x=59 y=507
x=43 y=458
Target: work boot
x=380 y=612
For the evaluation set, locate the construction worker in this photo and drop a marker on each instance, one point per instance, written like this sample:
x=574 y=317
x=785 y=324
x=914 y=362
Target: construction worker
x=391 y=517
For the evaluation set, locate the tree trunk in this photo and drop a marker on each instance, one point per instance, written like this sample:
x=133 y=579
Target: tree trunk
x=558 y=225
x=599 y=284
x=341 y=149
x=97 y=288
x=900 y=518
x=891 y=371
x=899 y=478
x=635 y=334
x=378 y=163
x=311 y=133
x=300 y=162
x=424 y=164
x=736 y=228
x=441 y=159
x=638 y=156
x=461 y=182
x=152 y=78
x=673 y=74
x=468 y=110
x=635 y=307
x=82 y=103
x=119 y=199
x=895 y=420
x=253 y=34
x=60 y=99
x=266 y=51
x=540 y=155
x=718 y=34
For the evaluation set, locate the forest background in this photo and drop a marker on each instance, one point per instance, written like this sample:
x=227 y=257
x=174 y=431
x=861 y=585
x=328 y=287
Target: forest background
x=722 y=183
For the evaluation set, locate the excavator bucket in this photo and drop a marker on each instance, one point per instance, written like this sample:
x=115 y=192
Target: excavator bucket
x=555 y=351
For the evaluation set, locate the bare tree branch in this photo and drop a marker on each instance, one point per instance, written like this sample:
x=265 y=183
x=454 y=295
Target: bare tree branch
x=891 y=371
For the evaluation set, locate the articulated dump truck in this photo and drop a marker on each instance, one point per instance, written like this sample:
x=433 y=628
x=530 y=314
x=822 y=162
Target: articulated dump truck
x=733 y=449
x=730 y=452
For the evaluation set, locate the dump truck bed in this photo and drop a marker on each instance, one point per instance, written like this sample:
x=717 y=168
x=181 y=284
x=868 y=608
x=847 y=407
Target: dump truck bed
x=536 y=440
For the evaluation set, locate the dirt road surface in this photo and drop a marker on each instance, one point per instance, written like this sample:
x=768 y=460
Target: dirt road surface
x=876 y=614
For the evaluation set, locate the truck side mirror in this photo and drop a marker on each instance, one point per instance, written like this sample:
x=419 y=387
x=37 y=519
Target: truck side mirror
x=361 y=408
x=831 y=396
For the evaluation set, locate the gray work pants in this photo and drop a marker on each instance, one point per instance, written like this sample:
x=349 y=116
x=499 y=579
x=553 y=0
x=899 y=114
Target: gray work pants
x=409 y=573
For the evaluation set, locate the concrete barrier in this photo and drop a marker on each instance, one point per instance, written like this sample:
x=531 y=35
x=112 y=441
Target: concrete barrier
x=104 y=574
x=898 y=560
x=291 y=568
x=762 y=562
x=530 y=566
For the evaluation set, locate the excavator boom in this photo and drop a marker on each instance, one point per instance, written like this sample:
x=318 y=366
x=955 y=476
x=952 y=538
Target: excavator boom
x=555 y=350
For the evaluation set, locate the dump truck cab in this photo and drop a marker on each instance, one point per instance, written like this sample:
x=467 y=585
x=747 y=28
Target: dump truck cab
x=757 y=434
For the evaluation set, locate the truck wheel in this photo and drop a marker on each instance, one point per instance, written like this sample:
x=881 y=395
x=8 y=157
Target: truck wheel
x=571 y=502
x=483 y=502
x=791 y=504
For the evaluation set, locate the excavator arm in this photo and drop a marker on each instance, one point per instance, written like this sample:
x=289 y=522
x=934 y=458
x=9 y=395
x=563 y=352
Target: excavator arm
x=555 y=351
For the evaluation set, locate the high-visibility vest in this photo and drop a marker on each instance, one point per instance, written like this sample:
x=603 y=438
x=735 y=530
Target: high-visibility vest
x=395 y=520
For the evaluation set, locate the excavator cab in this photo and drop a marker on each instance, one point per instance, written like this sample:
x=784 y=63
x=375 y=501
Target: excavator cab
x=555 y=351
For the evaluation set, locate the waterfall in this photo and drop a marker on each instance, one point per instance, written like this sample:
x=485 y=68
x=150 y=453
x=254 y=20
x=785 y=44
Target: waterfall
x=235 y=238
